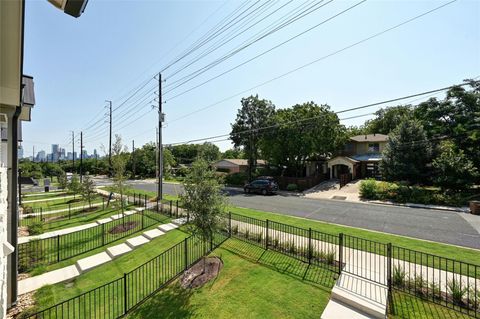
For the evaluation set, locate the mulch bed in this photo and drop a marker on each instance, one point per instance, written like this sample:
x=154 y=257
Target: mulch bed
x=76 y=200
x=24 y=302
x=123 y=227
x=23 y=231
x=198 y=276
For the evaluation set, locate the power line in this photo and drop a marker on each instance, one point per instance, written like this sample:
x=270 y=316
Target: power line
x=314 y=61
x=317 y=117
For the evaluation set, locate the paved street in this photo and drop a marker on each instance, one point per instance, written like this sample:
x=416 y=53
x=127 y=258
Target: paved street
x=435 y=225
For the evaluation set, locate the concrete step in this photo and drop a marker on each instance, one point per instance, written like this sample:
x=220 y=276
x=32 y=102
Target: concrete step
x=362 y=295
x=116 y=216
x=153 y=233
x=118 y=250
x=338 y=310
x=179 y=221
x=167 y=227
x=49 y=278
x=91 y=262
x=137 y=241
x=104 y=220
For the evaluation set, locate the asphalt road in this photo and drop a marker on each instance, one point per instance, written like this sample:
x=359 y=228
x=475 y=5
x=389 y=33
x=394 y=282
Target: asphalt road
x=434 y=225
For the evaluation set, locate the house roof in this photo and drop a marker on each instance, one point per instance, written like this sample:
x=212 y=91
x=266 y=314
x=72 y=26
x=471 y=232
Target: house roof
x=373 y=157
x=240 y=162
x=370 y=138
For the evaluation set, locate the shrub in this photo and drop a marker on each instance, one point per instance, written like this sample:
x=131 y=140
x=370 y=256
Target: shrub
x=276 y=243
x=435 y=290
x=235 y=229
x=238 y=179
x=35 y=228
x=327 y=257
x=247 y=234
x=399 y=276
x=368 y=189
x=418 y=284
x=457 y=292
x=292 y=187
x=291 y=248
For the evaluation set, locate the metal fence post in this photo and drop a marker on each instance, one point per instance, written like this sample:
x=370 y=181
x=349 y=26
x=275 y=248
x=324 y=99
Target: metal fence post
x=186 y=253
x=158 y=207
x=389 y=267
x=340 y=252
x=230 y=224
x=188 y=216
x=171 y=209
x=69 y=210
x=41 y=213
x=58 y=248
x=125 y=293
x=103 y=234
x=266 y=237
x=143 y=219
x=103 y=203
x=176 y=207
x=145 y=201
x=310 y=248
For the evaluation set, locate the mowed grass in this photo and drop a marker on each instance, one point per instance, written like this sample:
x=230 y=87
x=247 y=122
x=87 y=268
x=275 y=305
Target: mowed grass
x=467 y=255
x=406 y=306
x=52 y=294
x=59 y=202
x=253 y=283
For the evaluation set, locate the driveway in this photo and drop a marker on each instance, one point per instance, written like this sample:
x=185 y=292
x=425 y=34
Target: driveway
x=434 y=225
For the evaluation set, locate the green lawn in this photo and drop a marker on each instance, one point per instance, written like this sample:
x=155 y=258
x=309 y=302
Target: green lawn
x=467 y=255
x=37 y=254
x=50 y=295
x=406 y=306
x=60 y=202
x=253 y=284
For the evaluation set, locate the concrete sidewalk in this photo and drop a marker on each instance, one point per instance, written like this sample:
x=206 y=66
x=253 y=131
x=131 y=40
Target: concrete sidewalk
x=47 y=199
x=22 y=216
x=88 y=263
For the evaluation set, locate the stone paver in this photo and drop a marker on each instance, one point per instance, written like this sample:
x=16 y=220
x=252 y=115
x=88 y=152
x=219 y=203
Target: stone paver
x=91 y=262
x=179 y=221
x=137 y=241
x=49 y=278
x=338 y=310
x=153 y=233
x=117 y=216
x=167 y=227
x=118 y=250
x=104 y=220
x=131 y=212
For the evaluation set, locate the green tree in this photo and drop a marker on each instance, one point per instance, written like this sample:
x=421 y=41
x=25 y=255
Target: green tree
x=387 y=119
x=233 y=153
x=88 y=190
x=253 y=115
x=74 y=186
x=119 y=163
x=407 y=153
x=188 y=153
x=454 y=171
x=63 y=181
x=317 y=132
x=455 y=118
x=204 y=201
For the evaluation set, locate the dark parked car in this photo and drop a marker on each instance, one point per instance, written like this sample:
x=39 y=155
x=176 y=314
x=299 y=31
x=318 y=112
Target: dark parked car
x=262 y=186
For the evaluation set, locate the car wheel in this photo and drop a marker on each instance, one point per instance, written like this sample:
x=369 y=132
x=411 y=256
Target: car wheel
x=246 y=190
x=264 y=192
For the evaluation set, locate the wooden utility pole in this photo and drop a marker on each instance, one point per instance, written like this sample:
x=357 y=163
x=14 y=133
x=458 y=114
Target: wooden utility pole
x=160 y=146
x=110 y=138
x=133 y=158
x=73 y=152
x=81 y=156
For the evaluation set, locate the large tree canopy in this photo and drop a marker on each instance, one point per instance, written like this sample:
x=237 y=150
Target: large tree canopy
x=252 y=116
x=304 y=131
x=387 y=119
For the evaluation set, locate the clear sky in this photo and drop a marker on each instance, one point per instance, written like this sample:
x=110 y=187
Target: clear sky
x=115 y=46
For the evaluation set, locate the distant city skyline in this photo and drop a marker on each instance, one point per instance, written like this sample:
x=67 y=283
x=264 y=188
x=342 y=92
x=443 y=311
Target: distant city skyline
x=57 y=154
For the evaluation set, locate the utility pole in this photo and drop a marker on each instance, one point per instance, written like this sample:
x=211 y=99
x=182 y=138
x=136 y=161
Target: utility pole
x=81 y=156
x=160 y=146
x=73 y=152
x=133 y=158
x=33 y=154
x=110 y=138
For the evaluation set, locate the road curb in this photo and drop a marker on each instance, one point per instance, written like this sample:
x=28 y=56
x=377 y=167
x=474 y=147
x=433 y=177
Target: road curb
x=412 y=205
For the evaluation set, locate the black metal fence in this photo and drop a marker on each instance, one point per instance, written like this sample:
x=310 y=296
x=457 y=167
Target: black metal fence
x=55 y=249
x=441 y=280
x=170 y=208
x=44 y=215
x=118 y=297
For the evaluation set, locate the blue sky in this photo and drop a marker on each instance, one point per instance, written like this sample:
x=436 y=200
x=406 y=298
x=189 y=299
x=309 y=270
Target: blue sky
x=115 y=46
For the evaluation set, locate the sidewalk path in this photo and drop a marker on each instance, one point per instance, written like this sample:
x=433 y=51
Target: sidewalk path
x=88 y=263
x=22 y=216
x=45 y=194
x=47 y=199
x=64 y=231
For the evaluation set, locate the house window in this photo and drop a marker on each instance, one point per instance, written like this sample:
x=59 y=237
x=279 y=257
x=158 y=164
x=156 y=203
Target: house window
x=373 y=147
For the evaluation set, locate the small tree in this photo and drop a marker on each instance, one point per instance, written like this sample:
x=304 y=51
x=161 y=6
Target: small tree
x=454 y=171
x=119 y=163
x=63 y=181
x=202 y=198
x=88 y=189
x=74 y=186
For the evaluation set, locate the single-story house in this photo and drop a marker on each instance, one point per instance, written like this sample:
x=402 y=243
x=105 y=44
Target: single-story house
x=235 y=165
